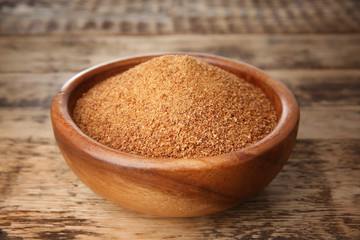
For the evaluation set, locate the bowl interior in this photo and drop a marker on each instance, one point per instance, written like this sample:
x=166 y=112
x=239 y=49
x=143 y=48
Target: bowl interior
x=282 y=99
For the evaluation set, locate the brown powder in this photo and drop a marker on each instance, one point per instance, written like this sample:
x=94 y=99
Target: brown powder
x=175 y=106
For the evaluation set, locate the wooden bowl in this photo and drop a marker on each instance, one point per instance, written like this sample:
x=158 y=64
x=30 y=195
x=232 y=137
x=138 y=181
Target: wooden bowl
x=175 y=187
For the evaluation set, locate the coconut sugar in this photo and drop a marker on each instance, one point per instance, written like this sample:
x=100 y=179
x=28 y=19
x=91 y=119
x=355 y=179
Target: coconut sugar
x=175 y=106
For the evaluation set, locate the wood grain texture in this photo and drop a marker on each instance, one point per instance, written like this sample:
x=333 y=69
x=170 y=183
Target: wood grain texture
x=73 y=53
x=186 y=16
x=312 y=88
x=314 y=197
x=324 y=123
x=312 y=46
x=329 y=102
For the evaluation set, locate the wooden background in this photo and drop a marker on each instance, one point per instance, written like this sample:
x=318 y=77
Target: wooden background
x=312 y=46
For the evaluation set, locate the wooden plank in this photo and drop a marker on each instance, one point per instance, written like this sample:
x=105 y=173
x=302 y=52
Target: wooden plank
x=329 y=123
x=312 y=88
x=316 y=196
x=317 y=88
x=164 y=17
x=30 y=90
x=72 y=53
x=30 y=123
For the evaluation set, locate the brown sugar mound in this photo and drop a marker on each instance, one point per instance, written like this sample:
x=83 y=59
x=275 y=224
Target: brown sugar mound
x=175 y=106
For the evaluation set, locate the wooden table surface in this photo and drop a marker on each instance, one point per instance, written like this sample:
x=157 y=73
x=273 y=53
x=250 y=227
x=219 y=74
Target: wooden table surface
x=312 y=46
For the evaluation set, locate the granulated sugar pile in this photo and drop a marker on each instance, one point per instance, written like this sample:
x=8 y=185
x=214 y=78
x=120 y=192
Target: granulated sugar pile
x=175 y=106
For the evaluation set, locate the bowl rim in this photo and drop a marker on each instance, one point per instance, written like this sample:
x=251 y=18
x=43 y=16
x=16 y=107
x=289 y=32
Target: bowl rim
x=289 y=120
